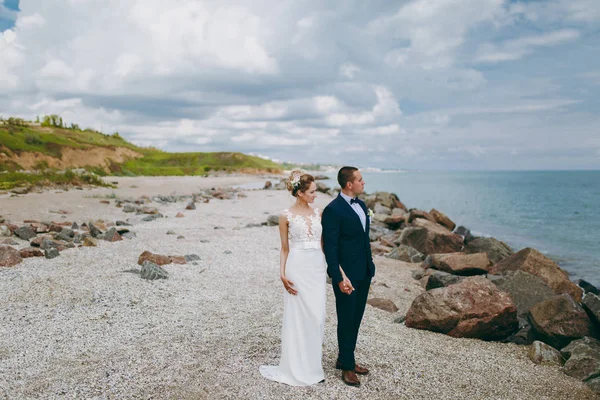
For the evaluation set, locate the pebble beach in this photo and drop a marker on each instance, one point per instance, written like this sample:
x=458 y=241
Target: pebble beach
x=84 y=325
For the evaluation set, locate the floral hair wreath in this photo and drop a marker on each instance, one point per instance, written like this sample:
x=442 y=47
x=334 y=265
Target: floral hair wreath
x=295 y=181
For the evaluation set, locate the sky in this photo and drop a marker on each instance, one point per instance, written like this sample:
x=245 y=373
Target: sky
x=420 y=84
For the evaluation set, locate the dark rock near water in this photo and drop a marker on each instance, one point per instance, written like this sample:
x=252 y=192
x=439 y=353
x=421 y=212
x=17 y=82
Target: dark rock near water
x=473 y=308
x=438 y=279
x=268 y=185
x=151 y=271
x=525 y=290
x=495 y=249
x=273 y=220
x=459 y=263
x=591 y=304
x=465 y=233
x=524 y=334
x=560 y=320
x=112 y=235
x=583 y=359
x=442 y=219
x=587 y=287
x=430 y=238
x=535 y=263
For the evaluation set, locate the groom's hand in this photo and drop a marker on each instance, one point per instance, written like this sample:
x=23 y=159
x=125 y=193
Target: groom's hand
x=346 y=286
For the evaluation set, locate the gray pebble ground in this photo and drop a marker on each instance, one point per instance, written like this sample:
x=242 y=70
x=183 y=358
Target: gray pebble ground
x=78 y=326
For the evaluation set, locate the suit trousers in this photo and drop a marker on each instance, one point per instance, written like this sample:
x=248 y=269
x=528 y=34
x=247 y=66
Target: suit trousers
x=350 y=309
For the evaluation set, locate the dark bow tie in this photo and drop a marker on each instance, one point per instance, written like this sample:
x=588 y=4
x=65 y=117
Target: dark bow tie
x=354 y=200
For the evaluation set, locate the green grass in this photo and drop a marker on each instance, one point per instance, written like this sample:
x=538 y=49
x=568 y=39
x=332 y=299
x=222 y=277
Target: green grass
x=170 y=164
x=12 y=180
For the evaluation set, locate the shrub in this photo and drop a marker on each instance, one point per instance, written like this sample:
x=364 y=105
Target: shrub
x=33 y=139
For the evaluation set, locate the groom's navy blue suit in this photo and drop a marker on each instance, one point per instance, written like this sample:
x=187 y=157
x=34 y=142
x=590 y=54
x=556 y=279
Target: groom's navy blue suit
x=347 y=244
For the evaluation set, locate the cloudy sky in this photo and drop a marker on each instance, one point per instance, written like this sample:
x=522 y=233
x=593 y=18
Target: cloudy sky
x=421 y=84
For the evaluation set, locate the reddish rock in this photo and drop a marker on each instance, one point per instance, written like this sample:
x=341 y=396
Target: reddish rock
x=535 y=263
x=495 y=249
x=178 y=260
x=472 y=308
x=379 y=249
x=383 y=304
x=155 y=258
x=104 y=202
x=460 y=263
x=560 y=320
x=149 y=210
x=112 y=235
x=420 y=214
x=442 y=219
x=430 y=238
x=179 y=215
x=28 y=252
x=9 y=256
x=40 y=227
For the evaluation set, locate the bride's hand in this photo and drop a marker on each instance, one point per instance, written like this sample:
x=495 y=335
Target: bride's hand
x=289 y=286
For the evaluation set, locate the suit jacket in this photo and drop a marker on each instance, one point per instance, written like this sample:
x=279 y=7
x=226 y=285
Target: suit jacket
x=345 y=243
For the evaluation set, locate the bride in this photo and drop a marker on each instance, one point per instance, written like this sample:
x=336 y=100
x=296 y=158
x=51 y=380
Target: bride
x=303 y=273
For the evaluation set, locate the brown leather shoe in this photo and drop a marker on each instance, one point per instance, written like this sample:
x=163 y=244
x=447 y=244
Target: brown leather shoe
x=357 y=368
x=350 y=378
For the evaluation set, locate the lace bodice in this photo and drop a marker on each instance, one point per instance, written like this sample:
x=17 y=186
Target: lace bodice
x=304 y=228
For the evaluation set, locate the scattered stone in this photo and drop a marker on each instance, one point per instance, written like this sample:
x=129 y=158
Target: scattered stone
x=171 y=232
x=9 y=256
x=8 y=242
x=583 y=359
x=559 y=320
x=400 y=319
x=273 y=220
x=535 y=263
x=178 y=260
x=50 y=244
x=152 y=217
x=323 y=188
x=151 y=271
x=155 y=258
x=20 y=190
x=89 y=242
x=495 y=249
x=179 y=215
x=541 y=353
x=268 y=185
x=122 y=223
x=591 y=303
x=459 y=263
x=5 y=231
x=128 y=235
x=25 y=233
x=94 y=231
x=180 y=237
x=75 y=226
x=192 y=257
x=112 y=235
x=149 y=210
x=524 y=335
x=104 y=202
x=381 y=209
x=383 y=304
x=219 y=227
x=28 y=252
x=473 y=308
x=129 y=208
x=227 y=252
x=190 y=206
x=406 y=253
x=417 y=274
x=524 y=289
x=51 y=253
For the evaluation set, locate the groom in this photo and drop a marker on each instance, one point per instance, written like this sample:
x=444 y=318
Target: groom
x=349 y=264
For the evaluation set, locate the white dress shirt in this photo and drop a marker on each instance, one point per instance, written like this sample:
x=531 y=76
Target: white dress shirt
x=357 y=209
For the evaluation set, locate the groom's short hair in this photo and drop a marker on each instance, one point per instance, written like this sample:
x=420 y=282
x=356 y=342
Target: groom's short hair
x=345 y=175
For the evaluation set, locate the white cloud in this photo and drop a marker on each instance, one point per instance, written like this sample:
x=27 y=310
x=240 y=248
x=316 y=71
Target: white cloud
x=349 y=70
x=518 y=48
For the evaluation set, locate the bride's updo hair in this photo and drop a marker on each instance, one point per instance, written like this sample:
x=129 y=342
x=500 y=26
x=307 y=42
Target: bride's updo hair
x=299 y=182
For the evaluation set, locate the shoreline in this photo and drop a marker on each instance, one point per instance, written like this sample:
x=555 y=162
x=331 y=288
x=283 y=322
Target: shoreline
x=79 y=325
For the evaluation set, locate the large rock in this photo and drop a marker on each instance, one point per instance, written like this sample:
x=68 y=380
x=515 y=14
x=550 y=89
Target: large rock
x=154 y=258
x=430 y=238
x=591 y=303
x=381 y=209
x=9 y=256
x=541 y=353
x=406 y=254
x=560 y=320
x=389 y=200
x=525 y=290
x=459 y=263
x=587 y=287
x=442 y=219
x=583 y=359
x=28 y=252
x=25 y=233
x=535 y=263
x=420 y=214
x=323 y=188
x=473 y=308
x=465 y=233
x=112 y=235
x=495 y=249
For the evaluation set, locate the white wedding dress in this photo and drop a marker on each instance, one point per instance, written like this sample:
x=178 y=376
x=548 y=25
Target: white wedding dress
x=303 y=314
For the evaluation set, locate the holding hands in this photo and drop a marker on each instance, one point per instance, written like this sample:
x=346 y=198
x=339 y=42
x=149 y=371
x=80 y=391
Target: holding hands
x=345 y=285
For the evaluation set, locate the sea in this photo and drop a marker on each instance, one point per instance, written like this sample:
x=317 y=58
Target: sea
x=555 y=212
